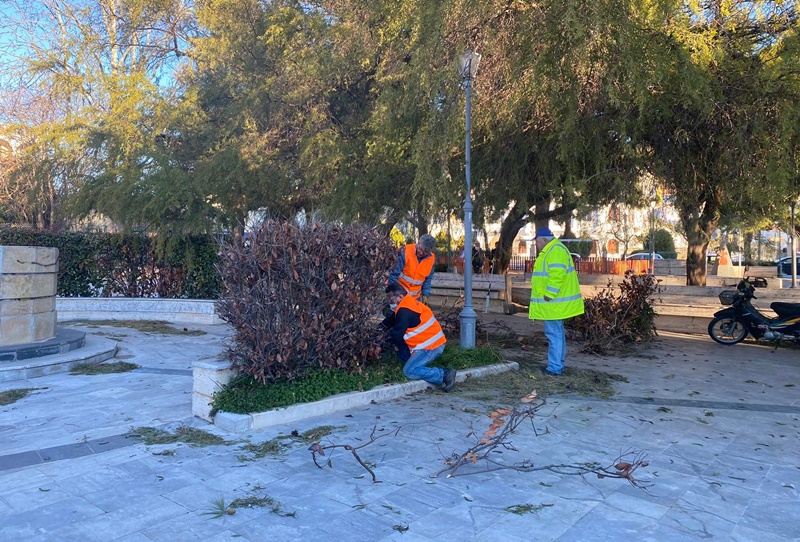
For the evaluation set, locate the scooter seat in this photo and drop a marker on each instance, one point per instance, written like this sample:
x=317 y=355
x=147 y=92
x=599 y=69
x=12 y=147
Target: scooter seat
x=786 y=310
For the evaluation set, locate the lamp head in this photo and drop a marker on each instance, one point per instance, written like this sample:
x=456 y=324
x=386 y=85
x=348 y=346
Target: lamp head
x=468 y=64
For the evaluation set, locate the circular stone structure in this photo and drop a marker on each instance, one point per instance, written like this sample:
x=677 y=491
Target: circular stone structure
x=27 y=294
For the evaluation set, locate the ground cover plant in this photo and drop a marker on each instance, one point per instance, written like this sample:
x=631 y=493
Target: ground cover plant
x=530 y=352
x=246 y=394
x=145 y=326
x=189 y=435
x=276 y=446
x=511 y=384
x=12 y=396
x=102 y=368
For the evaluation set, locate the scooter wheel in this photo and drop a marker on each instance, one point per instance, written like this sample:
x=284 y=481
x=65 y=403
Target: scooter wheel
x=727 y=330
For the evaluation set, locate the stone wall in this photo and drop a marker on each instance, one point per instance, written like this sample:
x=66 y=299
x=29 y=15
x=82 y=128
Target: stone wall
x=28 y=278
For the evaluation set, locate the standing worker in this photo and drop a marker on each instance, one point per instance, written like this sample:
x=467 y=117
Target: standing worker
x=555 y=295
x=414 y=268
x=418 y=336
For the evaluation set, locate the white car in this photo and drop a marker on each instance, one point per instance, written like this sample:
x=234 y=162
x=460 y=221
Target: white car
x=644 y=256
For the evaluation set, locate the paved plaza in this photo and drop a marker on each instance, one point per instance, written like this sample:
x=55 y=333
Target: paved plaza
x=720 y=425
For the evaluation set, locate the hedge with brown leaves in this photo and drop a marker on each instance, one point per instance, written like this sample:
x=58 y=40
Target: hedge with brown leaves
x=304 y=297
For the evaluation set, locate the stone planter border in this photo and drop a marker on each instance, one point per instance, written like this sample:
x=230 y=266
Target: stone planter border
x=210 y=376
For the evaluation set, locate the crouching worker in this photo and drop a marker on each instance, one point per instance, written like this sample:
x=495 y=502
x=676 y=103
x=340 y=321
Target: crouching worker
x=418 y=336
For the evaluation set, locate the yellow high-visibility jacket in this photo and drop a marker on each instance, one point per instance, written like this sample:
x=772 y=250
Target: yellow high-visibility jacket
x=554 y=275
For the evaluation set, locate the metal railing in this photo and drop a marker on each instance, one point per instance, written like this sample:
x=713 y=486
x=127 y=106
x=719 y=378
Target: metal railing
x=590 y=265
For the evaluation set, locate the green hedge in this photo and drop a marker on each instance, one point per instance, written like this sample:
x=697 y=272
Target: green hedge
x=131 y=265
x=579 y=246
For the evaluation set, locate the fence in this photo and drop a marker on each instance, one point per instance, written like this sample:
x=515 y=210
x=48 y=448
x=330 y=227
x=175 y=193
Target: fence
x=591 y=265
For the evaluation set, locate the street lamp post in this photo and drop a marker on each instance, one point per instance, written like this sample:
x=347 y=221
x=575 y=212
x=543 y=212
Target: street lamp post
x=793 y=244
x=467 y=68
x=652 y=237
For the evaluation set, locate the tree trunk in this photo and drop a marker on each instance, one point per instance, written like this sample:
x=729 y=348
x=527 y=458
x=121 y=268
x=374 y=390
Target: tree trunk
x=696 y=263
x=748 y=248
x=512 y=223
x=568 y=228
x=699 y=225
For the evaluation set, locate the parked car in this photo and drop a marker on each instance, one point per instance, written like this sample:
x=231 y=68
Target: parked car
x=644 y=256
x=785 y=266
x=736 y=258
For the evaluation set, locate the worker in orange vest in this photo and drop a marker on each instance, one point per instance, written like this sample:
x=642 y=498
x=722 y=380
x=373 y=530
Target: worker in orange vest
x=414 y=268
x=418 y=336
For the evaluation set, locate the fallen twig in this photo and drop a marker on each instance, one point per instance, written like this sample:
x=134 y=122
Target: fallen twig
x=318 y=449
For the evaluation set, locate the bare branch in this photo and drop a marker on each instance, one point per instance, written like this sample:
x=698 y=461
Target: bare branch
x=318 y=449
x=505 y=423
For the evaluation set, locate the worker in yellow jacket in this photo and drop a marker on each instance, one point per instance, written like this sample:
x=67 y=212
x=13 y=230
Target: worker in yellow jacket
x=555 y=295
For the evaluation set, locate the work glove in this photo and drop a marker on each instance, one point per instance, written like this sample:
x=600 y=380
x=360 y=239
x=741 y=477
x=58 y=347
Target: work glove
x=423 y=299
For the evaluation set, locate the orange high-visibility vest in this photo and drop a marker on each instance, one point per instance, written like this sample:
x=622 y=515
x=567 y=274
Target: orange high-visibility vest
x=428 y=335
x=415 y=272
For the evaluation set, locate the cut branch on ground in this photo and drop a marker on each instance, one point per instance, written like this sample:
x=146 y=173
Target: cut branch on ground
x=505 y=423
x=318 y=450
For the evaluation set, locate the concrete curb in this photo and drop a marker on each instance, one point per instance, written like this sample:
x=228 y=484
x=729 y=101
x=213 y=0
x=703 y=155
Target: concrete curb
x=239 y=423
x=94 y=350
x=189 y=311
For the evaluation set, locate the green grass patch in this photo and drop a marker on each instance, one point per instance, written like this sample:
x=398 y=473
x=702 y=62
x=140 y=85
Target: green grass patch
x=522 y=509
x=102 y=368
x=145 y=326
x=189 y=435
x=276 y=447
x=12 y=396
x=512 y=385
x=262 y=502
x=244 y=394
x=314 y=435
x=272 y=448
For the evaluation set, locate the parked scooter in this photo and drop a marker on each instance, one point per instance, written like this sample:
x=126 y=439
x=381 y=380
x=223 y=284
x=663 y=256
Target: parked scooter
x=740 y=319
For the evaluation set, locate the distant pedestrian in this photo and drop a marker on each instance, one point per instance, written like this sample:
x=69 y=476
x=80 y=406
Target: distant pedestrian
x=555 y=295
x=418 y=336
x=493 y=256
x=413 y=269
x=477 y=259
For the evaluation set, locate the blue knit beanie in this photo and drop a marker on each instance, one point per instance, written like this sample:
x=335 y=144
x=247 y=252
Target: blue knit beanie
x=544 y=232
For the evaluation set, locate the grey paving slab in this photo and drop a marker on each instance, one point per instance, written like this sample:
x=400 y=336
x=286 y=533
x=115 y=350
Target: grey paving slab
x=49 y=518
x=720 y=427
x=18 y=460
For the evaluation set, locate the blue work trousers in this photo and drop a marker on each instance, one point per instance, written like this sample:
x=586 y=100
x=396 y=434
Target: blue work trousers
x=416 y=366
x=557 y=349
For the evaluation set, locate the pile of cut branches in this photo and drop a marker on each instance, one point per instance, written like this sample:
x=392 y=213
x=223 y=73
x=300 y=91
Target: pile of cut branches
x=449 y=317
x=618 y=315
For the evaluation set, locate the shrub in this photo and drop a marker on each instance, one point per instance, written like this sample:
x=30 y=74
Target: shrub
x=134 y=265
x=663 y=243
x=614 y=318
x=304 y=298
x=579 y=246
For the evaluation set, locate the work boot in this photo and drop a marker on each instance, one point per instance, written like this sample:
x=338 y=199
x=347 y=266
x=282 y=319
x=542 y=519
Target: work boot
x=449 y=379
